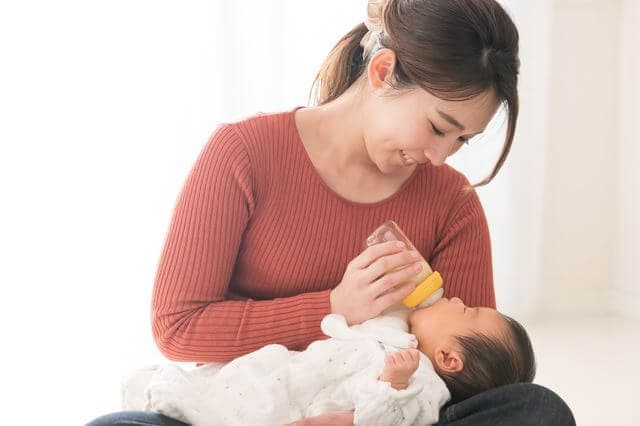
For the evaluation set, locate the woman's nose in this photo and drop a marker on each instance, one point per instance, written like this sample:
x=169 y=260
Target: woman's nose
x=438 y=156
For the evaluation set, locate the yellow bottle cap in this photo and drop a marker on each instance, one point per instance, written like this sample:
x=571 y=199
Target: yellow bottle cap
x=423 y=290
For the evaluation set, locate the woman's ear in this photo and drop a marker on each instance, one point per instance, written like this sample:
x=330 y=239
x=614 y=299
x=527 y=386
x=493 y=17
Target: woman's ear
x=448 y=359
x=380 y=69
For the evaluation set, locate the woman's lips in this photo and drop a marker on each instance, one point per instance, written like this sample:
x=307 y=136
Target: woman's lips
x=407 y=160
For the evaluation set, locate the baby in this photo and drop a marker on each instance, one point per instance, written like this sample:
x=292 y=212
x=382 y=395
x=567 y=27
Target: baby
x=399 y=368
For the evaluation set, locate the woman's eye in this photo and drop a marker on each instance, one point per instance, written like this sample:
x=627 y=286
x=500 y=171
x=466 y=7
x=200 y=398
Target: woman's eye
x=436 y=131
x=439 y=133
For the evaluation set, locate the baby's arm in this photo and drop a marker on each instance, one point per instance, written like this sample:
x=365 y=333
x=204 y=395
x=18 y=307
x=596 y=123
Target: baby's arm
x=401 y=395
x=399 y=366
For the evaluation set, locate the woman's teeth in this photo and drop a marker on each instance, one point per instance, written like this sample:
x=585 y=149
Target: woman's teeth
x=407 y=159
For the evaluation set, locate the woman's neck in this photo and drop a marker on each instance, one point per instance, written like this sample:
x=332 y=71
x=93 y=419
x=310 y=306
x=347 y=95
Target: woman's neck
x=336 y=131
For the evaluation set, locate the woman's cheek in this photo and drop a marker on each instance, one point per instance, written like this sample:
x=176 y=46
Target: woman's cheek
x=420 y=138
x=455 y=148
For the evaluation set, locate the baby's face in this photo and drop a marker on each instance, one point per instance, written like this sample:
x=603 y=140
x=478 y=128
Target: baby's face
x=448 y=318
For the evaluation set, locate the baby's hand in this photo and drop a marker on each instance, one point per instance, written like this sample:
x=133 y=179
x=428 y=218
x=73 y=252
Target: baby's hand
x=399 y=366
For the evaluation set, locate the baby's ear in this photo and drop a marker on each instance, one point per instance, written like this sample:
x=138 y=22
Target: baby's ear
x=448 y=359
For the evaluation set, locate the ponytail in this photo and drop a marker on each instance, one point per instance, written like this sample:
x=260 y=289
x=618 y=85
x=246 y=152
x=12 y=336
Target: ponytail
x=341 y=68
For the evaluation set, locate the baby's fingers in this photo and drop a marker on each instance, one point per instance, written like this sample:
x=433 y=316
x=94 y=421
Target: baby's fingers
x=408 y=360
x=390 y=359
x=403 y=356
x=396 y=359
x=413 y=354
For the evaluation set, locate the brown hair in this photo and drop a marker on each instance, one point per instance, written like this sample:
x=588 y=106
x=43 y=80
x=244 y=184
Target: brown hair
x=454 y=49
x=490 y=362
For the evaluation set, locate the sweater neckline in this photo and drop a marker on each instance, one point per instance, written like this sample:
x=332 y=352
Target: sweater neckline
x=307 y=159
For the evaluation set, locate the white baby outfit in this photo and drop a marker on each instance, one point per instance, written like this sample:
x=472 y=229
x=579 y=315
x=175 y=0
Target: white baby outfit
x=275 y=386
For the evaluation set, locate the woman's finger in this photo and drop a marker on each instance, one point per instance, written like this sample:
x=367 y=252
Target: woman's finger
x=374 y=252
x=388 y=282
x=393 y=297
x=386 y=264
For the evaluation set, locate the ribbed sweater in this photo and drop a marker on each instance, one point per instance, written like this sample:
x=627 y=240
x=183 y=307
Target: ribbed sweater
x=258 y=240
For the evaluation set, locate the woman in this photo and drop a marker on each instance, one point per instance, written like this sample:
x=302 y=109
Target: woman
x=267 y=232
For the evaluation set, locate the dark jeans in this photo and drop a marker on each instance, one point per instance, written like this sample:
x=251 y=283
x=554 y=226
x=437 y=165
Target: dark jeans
x=521 y=404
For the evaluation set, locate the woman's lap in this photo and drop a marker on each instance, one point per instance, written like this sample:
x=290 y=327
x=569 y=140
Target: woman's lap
x=135 y=418
x=522 y=404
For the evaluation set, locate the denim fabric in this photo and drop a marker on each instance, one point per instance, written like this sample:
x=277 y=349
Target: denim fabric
x=522 y=404
x=135 y=418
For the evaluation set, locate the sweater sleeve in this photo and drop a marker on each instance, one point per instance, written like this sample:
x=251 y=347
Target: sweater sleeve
x=194 y=316
x=462 y=254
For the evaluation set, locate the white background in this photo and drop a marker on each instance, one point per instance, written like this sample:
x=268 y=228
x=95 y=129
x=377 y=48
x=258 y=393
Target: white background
x=104 y=106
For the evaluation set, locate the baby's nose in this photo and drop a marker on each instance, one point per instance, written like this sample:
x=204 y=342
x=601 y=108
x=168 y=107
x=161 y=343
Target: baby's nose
x=456 y=300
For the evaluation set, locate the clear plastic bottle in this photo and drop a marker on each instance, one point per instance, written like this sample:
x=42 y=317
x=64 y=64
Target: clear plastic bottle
x=428 y=282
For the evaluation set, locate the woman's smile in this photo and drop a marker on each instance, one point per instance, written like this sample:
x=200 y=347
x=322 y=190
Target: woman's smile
x=406 y=159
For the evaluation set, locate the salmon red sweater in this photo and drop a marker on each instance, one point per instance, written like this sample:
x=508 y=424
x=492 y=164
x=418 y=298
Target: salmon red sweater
x=258 y=240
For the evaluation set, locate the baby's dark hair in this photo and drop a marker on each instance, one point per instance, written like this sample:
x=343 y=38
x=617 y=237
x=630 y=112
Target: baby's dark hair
x=490 y=362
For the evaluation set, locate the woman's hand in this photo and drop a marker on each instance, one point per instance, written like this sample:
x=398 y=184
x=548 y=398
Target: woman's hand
x=339 y=418
x=368 y=286
x=399 y=366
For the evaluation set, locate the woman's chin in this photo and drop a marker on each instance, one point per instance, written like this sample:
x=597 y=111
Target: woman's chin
x=394 y=165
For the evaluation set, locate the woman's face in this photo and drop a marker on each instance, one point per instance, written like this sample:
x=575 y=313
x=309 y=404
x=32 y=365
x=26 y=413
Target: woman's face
x=416 y=127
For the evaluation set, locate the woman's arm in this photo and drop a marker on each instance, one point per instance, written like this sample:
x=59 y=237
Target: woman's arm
x=192 y=319
x=462 y=254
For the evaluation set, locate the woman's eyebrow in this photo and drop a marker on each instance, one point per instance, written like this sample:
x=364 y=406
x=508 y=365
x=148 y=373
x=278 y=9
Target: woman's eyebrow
x=450 y=119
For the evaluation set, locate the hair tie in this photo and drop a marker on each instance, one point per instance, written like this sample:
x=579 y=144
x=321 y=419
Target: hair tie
x=373 y=22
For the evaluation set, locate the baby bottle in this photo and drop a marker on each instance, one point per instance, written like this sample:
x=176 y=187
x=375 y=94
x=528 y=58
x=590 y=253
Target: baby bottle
x=428 y=282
